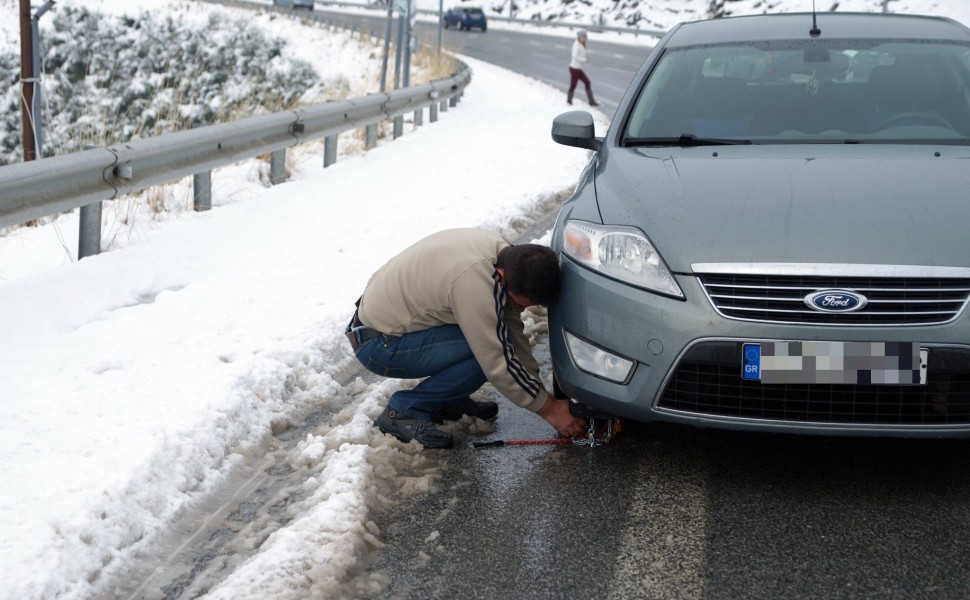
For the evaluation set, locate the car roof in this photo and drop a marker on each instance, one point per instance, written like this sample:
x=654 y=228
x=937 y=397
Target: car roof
x=783 y=26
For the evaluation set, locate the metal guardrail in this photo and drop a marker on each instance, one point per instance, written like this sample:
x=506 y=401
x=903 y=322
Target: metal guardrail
x=43 y=187
x=592 y=26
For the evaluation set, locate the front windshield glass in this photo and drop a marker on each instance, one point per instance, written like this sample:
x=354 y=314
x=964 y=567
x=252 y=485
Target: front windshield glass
x=837 y=91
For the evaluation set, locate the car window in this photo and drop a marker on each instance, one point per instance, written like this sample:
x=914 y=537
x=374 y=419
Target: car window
x=866 y=91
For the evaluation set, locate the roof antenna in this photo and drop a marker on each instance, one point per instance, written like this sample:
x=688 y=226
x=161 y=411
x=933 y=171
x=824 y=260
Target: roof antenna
x=814 y=31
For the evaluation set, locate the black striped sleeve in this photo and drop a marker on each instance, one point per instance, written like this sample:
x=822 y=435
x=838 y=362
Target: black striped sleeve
x=512 y=364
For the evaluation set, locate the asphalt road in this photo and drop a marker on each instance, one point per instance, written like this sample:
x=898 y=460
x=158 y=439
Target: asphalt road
x=675 y=512
x=543 y=57
x=546 y=58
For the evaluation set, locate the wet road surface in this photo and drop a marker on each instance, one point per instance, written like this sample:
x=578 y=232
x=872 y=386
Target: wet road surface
x=669 y=511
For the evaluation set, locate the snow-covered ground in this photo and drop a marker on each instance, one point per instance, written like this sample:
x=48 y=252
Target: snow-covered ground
x=135 y=381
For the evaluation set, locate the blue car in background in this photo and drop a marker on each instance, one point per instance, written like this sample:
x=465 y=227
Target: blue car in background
x=466 y=18
x=294 y=4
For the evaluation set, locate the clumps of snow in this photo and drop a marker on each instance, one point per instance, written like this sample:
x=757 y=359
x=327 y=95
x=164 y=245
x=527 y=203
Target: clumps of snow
x=351 y=472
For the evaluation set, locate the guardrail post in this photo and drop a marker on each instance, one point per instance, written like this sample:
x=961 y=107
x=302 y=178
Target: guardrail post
x=419 y=117
x=433 y=112
x=89 y=235
x=398 y=126
x=89 y=227
x=453 y=101
x=277 y=167
x=202 y=191
x=444 y=105
x=329 y=150
x=370 y=136
x=201 y=185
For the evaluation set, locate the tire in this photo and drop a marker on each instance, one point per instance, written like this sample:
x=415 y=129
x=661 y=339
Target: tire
x=484 y=28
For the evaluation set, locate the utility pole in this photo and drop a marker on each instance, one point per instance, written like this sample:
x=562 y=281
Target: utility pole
x=36 y=68
x=399 y=50
x=387 y=44
x=441 y=12
x=26 y=81
x=407 y=46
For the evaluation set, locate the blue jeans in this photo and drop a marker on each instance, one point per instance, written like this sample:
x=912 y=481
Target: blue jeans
x=441 y=354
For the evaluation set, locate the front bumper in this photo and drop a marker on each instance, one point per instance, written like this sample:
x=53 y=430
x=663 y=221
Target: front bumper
x=686 y=356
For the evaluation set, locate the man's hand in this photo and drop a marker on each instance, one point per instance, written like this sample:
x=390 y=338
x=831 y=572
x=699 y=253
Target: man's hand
x=556 y=411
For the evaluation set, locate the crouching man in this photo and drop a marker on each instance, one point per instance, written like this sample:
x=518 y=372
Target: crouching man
x=448 y=309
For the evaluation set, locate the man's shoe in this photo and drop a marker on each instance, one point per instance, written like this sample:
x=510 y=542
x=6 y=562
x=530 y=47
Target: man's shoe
x=407 y=429
x=473 y=408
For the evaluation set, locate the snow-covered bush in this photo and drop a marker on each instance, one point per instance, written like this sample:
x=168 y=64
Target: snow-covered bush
x=110 y=78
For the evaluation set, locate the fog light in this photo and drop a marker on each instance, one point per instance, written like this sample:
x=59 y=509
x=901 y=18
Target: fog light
x=596 y=361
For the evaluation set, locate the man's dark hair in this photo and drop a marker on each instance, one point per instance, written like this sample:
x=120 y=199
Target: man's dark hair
x=531 y=270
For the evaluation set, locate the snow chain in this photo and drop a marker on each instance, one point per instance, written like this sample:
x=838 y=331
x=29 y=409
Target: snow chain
x=598 y=433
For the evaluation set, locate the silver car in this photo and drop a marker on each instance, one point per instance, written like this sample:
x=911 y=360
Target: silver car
x=774 y=233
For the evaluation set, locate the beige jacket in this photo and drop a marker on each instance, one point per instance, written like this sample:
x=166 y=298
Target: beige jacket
x=449 y=278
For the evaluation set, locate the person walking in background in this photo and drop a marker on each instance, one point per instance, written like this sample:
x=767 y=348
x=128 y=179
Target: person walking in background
x=576 y=72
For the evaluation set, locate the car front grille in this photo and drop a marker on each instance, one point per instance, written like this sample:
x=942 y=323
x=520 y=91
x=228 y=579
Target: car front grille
x=892 y=300
x=708 y=381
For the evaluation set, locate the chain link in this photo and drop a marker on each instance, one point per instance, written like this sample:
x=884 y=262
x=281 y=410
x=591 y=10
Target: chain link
x=598 y=435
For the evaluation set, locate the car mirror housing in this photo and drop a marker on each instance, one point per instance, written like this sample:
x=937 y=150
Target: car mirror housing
x=575 y=128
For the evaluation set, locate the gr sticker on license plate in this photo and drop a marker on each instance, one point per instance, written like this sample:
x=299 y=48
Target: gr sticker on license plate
x=854 y=363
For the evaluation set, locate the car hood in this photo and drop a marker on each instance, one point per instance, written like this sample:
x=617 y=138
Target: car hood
x=844 y=204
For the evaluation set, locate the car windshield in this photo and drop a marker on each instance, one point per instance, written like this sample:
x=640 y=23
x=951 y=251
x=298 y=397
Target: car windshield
x=836 y=91
x=473 y=11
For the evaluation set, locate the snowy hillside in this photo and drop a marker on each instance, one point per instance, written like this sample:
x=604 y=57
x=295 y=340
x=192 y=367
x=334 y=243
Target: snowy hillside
x=112 y=73
x=663 y=14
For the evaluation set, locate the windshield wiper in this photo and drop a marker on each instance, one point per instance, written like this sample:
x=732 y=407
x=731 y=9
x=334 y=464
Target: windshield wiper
x=685 y=139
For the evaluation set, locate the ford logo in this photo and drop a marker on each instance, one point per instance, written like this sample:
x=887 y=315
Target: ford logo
x=836 y=301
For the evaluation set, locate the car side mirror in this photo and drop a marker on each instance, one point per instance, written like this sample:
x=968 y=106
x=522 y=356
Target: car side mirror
x=575 y=128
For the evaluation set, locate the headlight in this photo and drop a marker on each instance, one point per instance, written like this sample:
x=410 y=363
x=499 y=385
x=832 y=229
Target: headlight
x=623 y=253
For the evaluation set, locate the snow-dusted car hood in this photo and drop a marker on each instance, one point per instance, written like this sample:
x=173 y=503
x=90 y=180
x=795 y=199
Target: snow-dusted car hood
x=805 y=204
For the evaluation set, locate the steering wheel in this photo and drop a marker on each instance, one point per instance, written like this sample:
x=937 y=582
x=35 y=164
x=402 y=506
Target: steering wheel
x=919 y=117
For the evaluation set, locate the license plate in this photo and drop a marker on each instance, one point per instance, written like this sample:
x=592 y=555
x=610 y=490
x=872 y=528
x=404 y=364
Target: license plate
x=852 y=363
